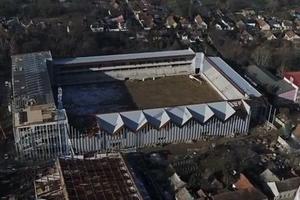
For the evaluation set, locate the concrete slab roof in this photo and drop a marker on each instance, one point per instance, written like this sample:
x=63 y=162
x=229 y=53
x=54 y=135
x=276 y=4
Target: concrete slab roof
x=124 y=57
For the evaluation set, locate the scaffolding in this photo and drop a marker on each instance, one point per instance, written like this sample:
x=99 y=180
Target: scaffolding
x=104 y=176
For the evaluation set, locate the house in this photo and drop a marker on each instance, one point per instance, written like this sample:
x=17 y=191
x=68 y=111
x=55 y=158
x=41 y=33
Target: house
x=97 y=27
x=200 y=23
x=240 y=25
x=185 y=23
x=170 y=22
x=146 y=20
x=288 y=145
x=181 y=193
x=297 y=24
x=275 y=24
x=285 y=189
x=291 y=36
x=287 y=25
x=294 y=77
x=296 y=134
x=268 y=175
x=246 y=37
x=246 y=12
x=280 y=88
x=250 y=23
x=269 y=35
x=243 y=189
x=263 y=25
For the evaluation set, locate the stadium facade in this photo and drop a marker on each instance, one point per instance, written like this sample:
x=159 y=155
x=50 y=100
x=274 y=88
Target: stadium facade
x=162 y=113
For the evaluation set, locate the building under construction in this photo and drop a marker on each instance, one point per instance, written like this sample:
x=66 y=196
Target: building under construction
x=40 y=129
x=103 y=176
x=133 y=100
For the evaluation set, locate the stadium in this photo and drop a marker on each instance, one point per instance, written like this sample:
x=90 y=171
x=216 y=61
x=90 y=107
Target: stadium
x=130 y=101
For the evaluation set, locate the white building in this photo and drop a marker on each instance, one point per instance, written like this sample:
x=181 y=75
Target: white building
x=40 y=130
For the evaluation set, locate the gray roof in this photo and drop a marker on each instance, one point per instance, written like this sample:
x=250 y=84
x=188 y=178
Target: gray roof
x=222 y=110
x=235 y=77
x=288 y=184
x=157 y=117
x=110 y=122
x=179 y=115
x=223 y=84
x=31 y=79
x=134 y=120
x=124 y=57
x=268 y=81
x=201 y=112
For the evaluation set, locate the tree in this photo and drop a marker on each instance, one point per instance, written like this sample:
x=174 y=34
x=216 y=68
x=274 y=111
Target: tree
x=261 y=56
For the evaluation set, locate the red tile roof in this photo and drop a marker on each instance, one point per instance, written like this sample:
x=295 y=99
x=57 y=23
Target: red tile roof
x=293 y=76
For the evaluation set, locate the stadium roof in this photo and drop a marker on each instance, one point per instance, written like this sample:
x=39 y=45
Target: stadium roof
x=124 y=57
x=157 y=117
x=201 y=112
x=223 y=84
x=135 y=120
x=239 y=81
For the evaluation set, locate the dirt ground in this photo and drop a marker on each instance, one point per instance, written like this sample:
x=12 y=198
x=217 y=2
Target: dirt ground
x=170 y=91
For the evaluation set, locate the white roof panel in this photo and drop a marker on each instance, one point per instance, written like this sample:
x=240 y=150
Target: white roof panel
x=134 y=120
x=157 y=117
x=179 y=115
x=222 y=110
x=201 y=112
x=110 y=122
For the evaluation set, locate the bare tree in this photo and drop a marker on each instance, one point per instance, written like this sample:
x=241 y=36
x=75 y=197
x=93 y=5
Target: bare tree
x=261 y=56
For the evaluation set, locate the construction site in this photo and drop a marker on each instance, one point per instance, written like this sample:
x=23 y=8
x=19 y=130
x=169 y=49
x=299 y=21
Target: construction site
x=99 y=177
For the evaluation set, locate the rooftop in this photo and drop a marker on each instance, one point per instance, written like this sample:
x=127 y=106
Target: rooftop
x=265 y=79
x=33 y=100
x=124 y=57
x=30 y=79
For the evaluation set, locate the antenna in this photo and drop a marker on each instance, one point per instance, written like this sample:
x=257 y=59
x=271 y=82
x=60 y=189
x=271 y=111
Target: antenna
x=59 y=98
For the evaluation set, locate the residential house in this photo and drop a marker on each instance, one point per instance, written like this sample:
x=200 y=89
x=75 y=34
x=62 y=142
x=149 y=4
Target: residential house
x=170 y=22
x=200 y=22
x=269 y=35
x=291 y=36
x=250 y=23
x=185 y=23
x=263 y=25
x=246 y=37
x=287 y=25
x=275 y=24
x=281 y=88
x=97 y=27
x=246 y=12
x=296 y=134
x=268 y=175
x=294 y=77
x=240 y=25
x=288 y=145
x=146 y=20
x=279 y=189
x=243 y=189
x=297 y=24
x=285 y=189
x=297 y=13
x=181 y=193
